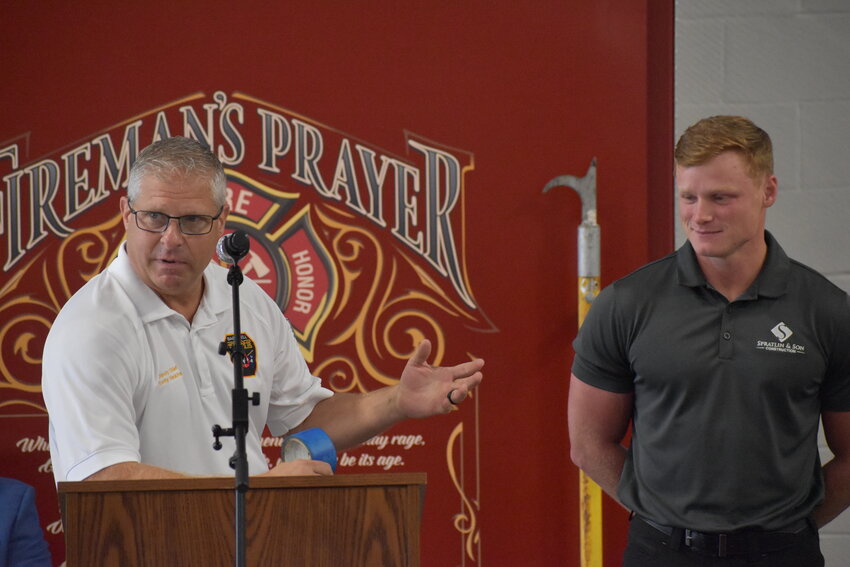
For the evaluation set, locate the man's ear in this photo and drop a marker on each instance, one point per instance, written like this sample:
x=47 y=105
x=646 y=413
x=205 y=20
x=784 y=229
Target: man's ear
x=222 y=219
x=124 y=207
x=771 y=188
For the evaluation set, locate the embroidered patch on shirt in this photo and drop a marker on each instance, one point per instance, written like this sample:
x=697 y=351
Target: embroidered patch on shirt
x=249 y=354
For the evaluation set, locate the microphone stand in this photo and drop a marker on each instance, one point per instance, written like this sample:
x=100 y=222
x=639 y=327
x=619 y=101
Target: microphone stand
x=239 y=460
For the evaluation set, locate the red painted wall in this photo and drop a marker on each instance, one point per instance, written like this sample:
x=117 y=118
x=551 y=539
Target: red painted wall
x=521 y=92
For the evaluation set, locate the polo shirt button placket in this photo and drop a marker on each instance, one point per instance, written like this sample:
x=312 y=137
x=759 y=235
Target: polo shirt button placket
x=726 y=349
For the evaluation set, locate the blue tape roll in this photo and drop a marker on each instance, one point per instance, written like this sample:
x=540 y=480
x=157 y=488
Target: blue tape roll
x=309 y=444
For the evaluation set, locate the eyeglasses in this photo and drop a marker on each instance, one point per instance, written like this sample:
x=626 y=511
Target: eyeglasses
x=193 y=225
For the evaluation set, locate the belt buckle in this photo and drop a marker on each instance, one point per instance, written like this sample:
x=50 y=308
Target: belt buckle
x=722 y=542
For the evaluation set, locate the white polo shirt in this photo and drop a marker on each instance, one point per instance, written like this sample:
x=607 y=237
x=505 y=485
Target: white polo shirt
x=126 y=378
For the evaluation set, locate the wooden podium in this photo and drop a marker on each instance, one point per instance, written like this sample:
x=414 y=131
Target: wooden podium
x=335 y=521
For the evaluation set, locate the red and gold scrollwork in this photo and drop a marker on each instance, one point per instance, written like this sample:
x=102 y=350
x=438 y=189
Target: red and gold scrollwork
x=30 y=300
x=384 y=318
x=466 y=521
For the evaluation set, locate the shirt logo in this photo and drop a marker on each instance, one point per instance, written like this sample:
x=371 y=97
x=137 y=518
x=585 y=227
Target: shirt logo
x=249 y=354
x=167 y=376
x=782 y=332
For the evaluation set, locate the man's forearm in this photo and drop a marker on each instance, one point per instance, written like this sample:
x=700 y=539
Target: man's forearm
x=134 y=471
x=351 y=419
x=836 y=475
x=604 y=466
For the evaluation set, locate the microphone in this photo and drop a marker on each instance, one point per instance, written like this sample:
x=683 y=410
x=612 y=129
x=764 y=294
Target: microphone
x=232 y=247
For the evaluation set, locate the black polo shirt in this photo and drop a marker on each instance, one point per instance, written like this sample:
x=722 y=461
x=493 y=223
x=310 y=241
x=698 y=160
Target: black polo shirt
x=727 y=395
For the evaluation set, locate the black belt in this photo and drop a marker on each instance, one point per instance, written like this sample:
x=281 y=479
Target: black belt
x=744 y=542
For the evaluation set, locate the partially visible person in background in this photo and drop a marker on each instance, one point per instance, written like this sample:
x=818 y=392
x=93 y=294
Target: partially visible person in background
x=22 y=542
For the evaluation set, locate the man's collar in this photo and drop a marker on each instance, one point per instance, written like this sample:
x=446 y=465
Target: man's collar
x=148 y=304
x=151 y=307
x=772 y=280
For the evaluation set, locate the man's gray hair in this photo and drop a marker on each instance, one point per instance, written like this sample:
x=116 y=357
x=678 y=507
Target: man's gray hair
x=178 y=156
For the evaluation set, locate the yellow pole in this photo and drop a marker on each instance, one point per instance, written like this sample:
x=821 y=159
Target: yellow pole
x=590 y=495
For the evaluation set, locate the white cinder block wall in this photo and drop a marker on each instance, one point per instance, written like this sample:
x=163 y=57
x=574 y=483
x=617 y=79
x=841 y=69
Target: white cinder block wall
x=786 y=65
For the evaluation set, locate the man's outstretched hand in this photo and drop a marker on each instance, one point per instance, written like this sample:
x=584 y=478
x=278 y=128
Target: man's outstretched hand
x=426 y=390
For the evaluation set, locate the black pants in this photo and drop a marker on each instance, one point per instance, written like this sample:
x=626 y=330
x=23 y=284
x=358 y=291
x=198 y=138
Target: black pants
x=648 y=547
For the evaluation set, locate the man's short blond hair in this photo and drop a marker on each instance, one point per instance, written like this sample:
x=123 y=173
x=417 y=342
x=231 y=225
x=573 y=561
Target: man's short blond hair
x=712 y=136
